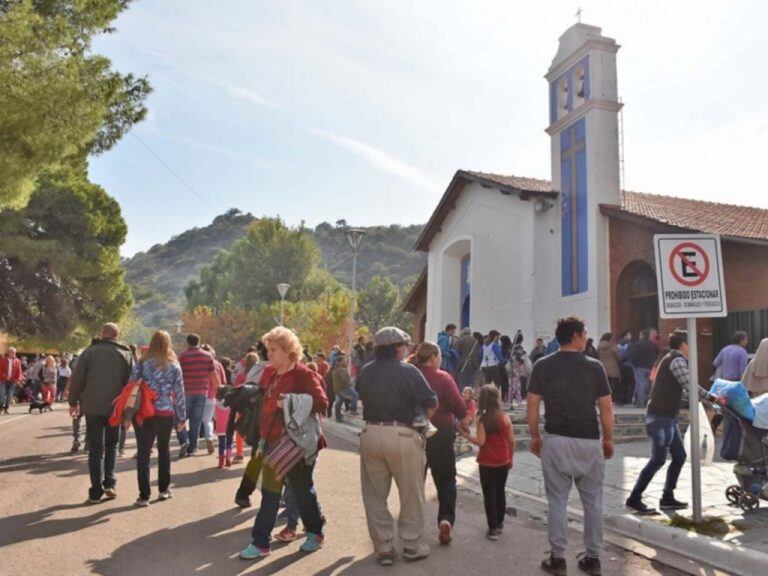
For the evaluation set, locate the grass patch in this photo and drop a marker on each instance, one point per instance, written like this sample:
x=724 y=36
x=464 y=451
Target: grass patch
x=709 y=525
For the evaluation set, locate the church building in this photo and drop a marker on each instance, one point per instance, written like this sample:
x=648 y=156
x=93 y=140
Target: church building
x=508 y=252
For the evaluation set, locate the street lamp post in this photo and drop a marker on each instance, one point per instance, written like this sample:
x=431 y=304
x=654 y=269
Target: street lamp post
x=355 y=236
x=282 y=289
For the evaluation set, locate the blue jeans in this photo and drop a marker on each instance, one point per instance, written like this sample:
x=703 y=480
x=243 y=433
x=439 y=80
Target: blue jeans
x=195 y=409
x=6 y=394
x=348 y=394
x=303 y=488
x=665 y=437
x=102 y=454
x=642 y=375
x=292 y=506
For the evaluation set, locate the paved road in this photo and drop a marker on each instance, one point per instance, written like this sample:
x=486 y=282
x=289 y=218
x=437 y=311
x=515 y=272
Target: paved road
x=45 y=527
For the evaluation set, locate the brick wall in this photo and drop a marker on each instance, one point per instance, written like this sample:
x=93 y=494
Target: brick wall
x=746 y=280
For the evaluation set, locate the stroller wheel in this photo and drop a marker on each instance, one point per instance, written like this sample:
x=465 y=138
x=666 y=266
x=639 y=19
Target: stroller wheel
x=749 y=501
x=732 y=493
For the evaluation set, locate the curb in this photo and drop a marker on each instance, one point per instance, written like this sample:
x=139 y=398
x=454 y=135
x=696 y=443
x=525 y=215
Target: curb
x=689 y=552
x=698 y=548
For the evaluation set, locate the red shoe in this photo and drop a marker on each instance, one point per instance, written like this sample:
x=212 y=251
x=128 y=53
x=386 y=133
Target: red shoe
x=228 y=459
x=221 y=461
x=286 y=535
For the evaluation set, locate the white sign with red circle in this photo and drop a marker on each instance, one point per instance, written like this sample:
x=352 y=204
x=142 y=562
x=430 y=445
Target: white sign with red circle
x=689 y=271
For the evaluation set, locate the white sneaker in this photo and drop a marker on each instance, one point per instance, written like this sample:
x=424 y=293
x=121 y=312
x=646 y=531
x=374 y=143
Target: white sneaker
x=167 y=495
x=142 y=503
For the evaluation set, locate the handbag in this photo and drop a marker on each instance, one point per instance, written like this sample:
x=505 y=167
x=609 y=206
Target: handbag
x=282 y=454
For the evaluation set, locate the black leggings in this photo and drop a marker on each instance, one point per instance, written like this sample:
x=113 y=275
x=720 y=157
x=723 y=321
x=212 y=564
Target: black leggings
x=493 y=480
x=159 y=427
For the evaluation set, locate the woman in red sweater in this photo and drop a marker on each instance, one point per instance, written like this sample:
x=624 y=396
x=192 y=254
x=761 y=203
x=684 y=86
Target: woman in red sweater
x=285 y=375
x=441 y=457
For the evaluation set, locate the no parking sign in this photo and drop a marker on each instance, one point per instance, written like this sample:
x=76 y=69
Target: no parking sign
x=689 y=270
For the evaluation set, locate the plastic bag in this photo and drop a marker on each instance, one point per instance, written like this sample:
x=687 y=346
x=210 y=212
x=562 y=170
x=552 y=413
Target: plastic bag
x=706 y=438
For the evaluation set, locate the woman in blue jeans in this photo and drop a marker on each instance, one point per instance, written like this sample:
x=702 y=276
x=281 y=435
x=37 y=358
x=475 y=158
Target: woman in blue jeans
x=160 y=370
x=285 y=375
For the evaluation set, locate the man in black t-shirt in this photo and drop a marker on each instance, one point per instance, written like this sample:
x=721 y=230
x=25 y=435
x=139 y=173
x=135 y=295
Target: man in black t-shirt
x=570 y=384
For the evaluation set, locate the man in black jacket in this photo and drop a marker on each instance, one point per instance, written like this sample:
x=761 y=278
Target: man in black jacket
x=671 y=386
x=100 y=374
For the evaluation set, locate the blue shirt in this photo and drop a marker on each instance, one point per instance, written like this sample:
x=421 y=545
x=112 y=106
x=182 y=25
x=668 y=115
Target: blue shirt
x=732 y=362
x=168 y=386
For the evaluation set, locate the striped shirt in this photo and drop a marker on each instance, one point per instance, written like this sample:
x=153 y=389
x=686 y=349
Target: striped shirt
x=197 y=367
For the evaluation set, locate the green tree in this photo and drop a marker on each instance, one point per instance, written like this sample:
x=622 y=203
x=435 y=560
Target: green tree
x=58 y=99
x=379 y=304
x=246 y=275
x=60 y=263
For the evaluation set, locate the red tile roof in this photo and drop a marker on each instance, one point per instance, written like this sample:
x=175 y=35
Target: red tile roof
x=516 y=182
x=709 y=217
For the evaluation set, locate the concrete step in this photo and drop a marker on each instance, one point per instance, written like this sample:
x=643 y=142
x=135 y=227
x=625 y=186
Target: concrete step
x=629 y=424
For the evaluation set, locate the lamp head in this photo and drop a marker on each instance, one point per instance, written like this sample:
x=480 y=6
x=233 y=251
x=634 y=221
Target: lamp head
x=282 y=289
x=355 y=236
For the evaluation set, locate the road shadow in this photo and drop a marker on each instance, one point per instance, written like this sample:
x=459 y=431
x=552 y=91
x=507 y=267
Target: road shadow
x=38 y=524
x=208 y=546
x=62 y=465
x=204 y=476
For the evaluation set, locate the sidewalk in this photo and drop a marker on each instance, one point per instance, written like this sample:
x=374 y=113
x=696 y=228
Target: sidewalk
x=748 y=536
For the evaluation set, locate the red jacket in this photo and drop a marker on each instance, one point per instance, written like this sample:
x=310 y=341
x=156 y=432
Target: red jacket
x=300 y=380
x=15 y=369
x=146 y=408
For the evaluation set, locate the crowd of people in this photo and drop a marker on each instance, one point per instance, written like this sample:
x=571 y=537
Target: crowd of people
x=421 y=406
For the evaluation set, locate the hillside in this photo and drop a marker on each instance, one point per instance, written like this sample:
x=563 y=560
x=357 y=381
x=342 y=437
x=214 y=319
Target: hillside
x=158 y=276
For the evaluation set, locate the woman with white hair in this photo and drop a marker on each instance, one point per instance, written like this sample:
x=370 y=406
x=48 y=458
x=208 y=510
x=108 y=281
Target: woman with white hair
x=285 y=378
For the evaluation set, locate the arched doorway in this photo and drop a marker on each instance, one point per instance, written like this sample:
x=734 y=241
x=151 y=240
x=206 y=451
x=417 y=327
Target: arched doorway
x=637 y=297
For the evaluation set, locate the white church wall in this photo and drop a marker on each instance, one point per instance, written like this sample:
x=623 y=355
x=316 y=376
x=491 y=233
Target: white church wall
x=496 y=229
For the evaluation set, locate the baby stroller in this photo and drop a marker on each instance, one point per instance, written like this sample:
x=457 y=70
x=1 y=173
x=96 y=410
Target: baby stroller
x=750 y=467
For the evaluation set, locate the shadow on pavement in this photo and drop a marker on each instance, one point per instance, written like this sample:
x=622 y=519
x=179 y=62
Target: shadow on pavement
x=35 y=525
x=208 y=546
x=204 y=476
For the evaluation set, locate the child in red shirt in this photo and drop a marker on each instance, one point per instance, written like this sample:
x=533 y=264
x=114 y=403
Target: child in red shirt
x=496 y=439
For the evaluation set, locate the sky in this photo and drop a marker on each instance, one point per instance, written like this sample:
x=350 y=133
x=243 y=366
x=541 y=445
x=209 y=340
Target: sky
x=321 y=110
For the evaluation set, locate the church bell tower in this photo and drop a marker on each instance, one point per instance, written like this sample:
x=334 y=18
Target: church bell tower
x=583 y=126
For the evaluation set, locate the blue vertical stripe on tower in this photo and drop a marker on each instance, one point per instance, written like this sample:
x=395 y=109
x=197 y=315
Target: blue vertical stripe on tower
x=573 y=190
x=581 y=195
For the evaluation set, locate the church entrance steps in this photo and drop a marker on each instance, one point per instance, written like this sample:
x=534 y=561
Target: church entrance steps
x=629 y=424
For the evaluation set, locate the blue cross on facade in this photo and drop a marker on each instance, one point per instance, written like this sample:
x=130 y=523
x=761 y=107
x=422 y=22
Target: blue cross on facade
x=573 y=189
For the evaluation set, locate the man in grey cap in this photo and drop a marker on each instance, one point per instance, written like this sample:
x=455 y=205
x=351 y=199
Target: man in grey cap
x=392 y=393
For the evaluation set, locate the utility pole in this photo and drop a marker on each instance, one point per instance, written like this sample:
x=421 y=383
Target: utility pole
x=355 y=236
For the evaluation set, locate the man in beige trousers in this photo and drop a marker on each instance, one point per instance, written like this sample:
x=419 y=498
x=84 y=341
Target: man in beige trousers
x=394 y=394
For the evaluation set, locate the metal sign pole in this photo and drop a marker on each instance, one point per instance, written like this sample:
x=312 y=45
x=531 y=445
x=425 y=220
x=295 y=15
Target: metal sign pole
x=693 y=417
